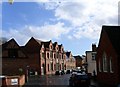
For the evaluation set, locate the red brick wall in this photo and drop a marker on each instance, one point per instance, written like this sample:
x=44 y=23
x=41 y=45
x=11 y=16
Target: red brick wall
x=107 y=77
x=12 y=66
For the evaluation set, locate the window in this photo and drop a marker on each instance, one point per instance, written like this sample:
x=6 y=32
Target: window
x=48 y=55
x=48 y=67
x=62 y=56
x=111 y=65
x=63 y=66
x=105 y=67
x=57 y=54
x=52 y=66
x=54 y=56
x=51 y=54
x=43 y=56
x=50 y=47
x=13 y=53
x=93 y=56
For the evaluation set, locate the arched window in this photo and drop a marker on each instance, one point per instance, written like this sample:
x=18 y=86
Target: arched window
x=111 y=65
x=105 y=66
x=48 y=67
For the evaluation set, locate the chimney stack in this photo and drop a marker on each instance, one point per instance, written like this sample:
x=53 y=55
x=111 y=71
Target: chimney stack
x=94 y=49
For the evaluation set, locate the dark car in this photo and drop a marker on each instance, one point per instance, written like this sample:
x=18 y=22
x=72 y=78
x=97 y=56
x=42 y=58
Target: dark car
x=79 y=79
x=57 y=73
x=62 y=72
x=68 y=72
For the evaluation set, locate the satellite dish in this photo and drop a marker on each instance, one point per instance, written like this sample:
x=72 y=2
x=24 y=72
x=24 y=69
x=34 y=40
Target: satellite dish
x=11 y=1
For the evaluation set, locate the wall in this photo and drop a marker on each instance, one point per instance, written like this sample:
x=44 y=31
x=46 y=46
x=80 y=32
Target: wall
x=91 y=63
x=106 y=46
x=7 y=81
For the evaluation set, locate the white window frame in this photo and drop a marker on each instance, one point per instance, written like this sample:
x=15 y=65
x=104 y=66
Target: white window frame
x=111 y=65
x=105 y=66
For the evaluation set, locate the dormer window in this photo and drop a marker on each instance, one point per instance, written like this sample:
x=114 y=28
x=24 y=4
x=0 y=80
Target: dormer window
x=42 y=46
x=51 y=47
x=57 y=48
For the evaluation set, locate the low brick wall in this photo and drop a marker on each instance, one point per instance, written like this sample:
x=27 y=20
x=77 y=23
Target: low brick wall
x=16 y=81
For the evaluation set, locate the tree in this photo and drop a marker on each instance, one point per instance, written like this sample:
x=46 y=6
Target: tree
x=3 y=40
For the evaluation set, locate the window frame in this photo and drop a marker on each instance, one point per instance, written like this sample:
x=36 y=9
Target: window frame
x=105 y=62
x=111 y=65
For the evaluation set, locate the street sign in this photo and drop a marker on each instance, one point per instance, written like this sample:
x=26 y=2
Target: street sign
x=14 y=81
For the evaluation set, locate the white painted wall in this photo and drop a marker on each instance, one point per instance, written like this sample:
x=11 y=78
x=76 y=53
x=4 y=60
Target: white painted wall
x=91 y=63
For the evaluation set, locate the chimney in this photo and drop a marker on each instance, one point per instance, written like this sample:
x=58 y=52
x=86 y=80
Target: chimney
x=94 y=49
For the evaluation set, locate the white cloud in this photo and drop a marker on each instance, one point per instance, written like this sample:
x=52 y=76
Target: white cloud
x=87 y=17
x=45 y=32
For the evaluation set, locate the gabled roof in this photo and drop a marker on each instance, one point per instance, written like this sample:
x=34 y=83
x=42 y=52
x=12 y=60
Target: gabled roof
x=60 y=46
x=46 y=44
x=39 y=41
x=68 y=54
x=54 y=45
x=78 y=57
x=113 y=33
x=4 y=45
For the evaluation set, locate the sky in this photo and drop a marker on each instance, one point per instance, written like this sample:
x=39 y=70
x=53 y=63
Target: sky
x=74 y=24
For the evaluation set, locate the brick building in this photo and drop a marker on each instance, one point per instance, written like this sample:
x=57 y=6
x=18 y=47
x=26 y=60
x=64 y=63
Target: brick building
x=14 y=60
x=36 y=57
x=108 y=56
x=49 y=57
x=78 y=61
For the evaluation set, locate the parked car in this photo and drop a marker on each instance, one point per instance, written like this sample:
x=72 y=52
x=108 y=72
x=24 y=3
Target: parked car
x=62 y=72
x=68 y=72
x=79 y=79
x=57 y=73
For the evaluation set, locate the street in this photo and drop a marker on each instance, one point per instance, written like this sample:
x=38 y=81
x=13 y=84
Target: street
x=52 y=80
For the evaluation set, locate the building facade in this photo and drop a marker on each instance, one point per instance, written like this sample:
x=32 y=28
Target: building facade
x=108 y=56
x=78 y=60
x=14 y=60
x=36 y=57
x=70 y=61
x=91 y=61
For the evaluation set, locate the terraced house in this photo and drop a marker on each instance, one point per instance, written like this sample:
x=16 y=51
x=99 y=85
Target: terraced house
x=36 y=57
x=49 y=56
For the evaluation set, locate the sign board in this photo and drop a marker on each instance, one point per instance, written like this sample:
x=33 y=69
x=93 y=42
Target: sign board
x=14 y=81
